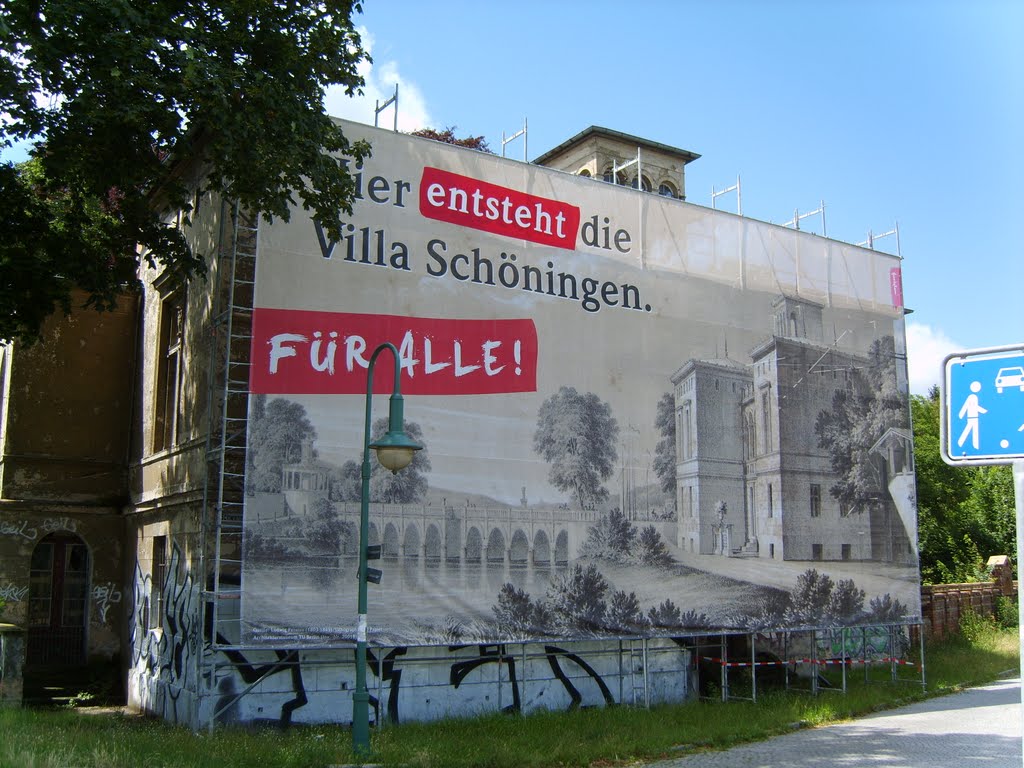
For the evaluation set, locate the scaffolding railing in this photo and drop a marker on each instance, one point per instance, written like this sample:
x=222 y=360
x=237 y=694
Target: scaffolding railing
x=224 y=492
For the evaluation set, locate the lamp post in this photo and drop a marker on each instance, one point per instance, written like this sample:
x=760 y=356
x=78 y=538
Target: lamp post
x=395 y=450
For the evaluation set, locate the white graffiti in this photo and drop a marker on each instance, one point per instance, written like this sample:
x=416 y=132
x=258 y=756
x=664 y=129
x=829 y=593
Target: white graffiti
x=18 y=528
x=22 y=529
x=105 y=596
x=51 y=524
x=13 y=593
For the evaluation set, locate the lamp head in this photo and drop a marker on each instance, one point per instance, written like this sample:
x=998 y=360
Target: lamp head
x=395 y=450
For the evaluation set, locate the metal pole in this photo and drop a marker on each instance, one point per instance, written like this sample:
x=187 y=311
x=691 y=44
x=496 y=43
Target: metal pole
x=360 y=696
x=1018 y=492
x=753 y=666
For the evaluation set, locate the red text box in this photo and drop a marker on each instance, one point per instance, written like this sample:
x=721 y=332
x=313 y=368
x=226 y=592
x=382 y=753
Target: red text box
x=327 y=353
x=469 y=202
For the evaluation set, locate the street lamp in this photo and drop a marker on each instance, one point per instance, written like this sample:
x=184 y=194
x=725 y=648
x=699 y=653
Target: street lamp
x=394 y=451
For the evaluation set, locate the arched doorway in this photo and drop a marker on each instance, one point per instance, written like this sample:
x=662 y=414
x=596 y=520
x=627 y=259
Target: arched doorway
x=58 y=601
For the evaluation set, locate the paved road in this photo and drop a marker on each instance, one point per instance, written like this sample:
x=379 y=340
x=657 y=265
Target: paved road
x=980 y=727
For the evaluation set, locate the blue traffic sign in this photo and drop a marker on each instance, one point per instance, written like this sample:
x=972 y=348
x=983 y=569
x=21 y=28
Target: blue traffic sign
x=983 y=406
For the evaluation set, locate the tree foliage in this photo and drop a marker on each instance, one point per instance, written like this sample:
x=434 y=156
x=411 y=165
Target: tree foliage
x=277 y=430
x=871 y=404
x=616 y=539
x=965 y=514
x=448 y=136
x=665 y=450
x=121 y=96
x=408 y=485
x=576 y=435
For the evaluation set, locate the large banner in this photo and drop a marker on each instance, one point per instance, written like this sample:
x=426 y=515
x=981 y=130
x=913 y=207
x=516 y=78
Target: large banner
x=640 y=416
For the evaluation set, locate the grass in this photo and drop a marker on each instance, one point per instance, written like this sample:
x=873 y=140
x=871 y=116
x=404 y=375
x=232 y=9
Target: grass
x=618 y=736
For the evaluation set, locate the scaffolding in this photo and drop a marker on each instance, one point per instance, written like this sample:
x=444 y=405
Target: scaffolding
x=233 y=290
x=809 y=660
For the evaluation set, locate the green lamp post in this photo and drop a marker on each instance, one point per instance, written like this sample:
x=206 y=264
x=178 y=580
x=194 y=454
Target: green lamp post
x=394 y=451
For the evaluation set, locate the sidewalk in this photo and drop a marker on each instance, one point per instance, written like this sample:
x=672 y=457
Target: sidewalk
x=979 y=727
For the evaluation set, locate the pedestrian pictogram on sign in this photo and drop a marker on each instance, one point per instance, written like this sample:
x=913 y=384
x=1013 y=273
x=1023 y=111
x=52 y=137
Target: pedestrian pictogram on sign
x=983 y=406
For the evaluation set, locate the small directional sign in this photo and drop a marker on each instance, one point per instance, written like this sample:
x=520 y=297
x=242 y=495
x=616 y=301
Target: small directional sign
x=983 y=406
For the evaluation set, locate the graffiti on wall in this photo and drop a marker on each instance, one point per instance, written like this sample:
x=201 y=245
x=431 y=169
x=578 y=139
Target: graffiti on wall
x=25 y=530
x=271 y=685
x=12 y=593
x=104 y=596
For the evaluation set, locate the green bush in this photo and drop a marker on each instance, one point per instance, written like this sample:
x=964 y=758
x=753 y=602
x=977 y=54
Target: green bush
x=1007 y=612
x=975 y=628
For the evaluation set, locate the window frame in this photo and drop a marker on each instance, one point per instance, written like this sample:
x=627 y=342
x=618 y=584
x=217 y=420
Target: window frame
x=167 y=389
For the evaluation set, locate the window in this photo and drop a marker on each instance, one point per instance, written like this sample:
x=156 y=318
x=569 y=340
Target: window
x=771 y=551
x=816 y=553
x=771 y=503
x=665 y=190
x=168 y=372
x=157 y=582
x=687 y=430
x=846 y=552
x=749 y=436
x=645 y=184
x=766 y=421
x=815 y=500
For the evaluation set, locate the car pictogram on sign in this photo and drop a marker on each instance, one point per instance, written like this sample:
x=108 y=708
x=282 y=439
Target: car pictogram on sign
x=1010 y=377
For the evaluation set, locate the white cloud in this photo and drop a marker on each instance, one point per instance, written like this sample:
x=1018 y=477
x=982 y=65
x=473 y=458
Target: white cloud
x=381 y=78
x=926 y=348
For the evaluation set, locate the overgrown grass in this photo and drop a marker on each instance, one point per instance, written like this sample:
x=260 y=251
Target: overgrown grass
x=593 y=737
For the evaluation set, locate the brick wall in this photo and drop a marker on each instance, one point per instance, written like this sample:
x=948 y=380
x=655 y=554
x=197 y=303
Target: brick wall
x=943 y=604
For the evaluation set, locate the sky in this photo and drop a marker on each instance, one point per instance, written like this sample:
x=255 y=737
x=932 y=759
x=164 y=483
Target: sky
x=896 y=114
x=900 y=115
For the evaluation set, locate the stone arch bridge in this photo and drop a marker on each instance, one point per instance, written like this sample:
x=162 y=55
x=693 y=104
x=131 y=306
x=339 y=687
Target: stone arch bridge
x=476 y=534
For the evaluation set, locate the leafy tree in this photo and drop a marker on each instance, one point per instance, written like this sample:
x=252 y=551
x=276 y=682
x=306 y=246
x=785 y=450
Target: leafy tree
x=965 y=514
x=886 y=609
x=327 y=532
x=346 y=482
x=577 y=599
x=406 y=486
x=121 y=96
x=846 y=602
x=53 y=240
x=665 y=450
x=651 y=549
x=448 y=137
x=517 y=614
x=611 y=537
x=665 y=616
x=576 y=435
x=624 y=613
x=810 y=599
x=616 y=539
x=860 y=415
x=277 y=431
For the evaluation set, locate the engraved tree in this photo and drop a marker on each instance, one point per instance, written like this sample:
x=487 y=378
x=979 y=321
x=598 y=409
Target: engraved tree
x=665 y=451
x=576 y=435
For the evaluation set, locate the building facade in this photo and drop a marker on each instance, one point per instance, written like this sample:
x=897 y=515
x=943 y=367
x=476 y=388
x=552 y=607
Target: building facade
x=755 y=472
x=142 y=521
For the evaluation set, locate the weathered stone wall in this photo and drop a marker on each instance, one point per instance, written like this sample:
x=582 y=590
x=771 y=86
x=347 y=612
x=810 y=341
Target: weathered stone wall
x=942 y=605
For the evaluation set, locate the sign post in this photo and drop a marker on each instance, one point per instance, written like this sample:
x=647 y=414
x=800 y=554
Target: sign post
x=982 y=422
